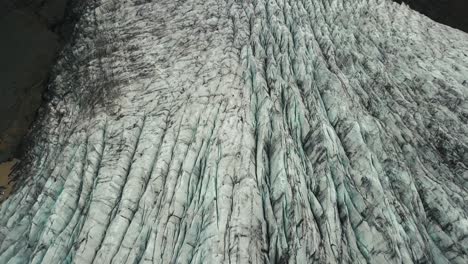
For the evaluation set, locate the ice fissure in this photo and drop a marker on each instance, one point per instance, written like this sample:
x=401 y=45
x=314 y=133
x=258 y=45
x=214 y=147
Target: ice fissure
x=262 y=131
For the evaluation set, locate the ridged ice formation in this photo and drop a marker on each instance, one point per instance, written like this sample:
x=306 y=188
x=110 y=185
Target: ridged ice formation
x=280 y=131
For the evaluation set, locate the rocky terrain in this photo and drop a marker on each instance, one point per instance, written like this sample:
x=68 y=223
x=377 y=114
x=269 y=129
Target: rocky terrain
x=31 y=38
x=449 y=12
x=283 y=131
x=32 y=34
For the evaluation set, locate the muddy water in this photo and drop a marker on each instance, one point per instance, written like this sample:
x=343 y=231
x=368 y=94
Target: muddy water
x=5 y=170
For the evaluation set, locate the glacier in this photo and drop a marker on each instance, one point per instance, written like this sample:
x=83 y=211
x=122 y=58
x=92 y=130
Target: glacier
x=255 y=131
